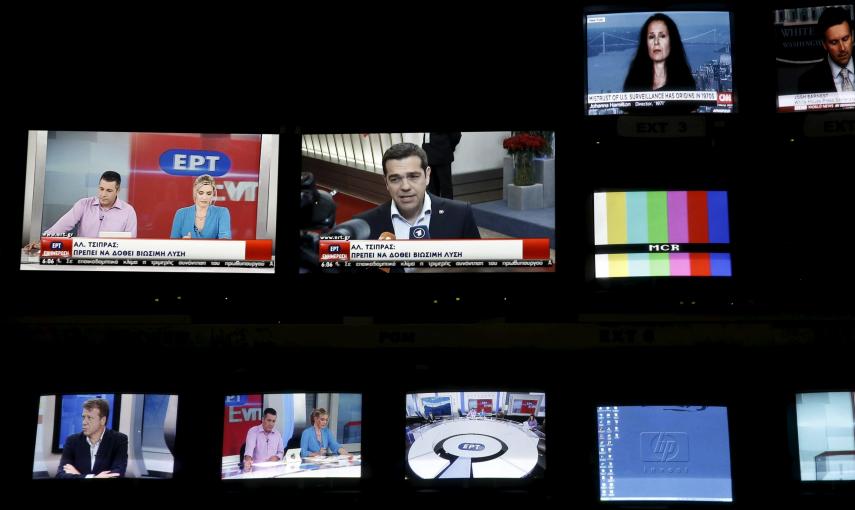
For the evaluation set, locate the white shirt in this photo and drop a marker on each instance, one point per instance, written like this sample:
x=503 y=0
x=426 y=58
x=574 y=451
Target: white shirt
x=93 y=451
x=402 y=226
x=835 y=72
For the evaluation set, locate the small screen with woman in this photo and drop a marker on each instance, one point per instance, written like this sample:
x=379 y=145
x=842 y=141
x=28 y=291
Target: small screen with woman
x=660 y=63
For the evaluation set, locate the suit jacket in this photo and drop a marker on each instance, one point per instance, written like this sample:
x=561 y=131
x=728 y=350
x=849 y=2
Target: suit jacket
x=112 y=455
x=449 y=219
x=440 y=148
x=817 y=79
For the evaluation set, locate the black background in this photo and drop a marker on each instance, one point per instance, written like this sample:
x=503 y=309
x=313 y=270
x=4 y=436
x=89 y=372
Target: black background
x=782 y=324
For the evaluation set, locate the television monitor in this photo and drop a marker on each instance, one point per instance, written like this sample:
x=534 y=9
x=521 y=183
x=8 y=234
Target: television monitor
x=67 y=418
x=479 y=405
x=809 y=63
x=137 y=438
x=152 y=202
x=624 y=50
x=477 y=218
x=476 y=435
x=292 y=436
x=826 y=435
x=664 y=453
x=661 y=234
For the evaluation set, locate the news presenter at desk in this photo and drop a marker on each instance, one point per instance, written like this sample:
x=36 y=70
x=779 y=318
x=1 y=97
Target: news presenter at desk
x=263 y=442
x=317 y=440
x=97 y=452
x=91 y=215
x=203 y=219
x=532 y=422
x=407 y=175
x=836 y=71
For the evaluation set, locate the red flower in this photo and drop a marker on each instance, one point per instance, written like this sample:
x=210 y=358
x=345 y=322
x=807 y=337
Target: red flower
x=524 y=142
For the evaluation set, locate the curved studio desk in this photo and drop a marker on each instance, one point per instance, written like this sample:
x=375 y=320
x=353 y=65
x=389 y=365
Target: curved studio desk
x=473 y=448
x=334 y=466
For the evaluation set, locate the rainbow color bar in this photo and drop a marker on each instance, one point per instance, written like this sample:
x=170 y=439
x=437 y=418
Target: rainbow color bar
x=661 y=217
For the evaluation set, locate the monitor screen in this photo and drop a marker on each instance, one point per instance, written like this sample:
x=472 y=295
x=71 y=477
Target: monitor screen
x=483 y=434
x=292 y=435
x=443 y=202
x=664 y=453
x=813 y=45
x=659 y=63
x=661 y=233
x=136 y=433
x=110 y=201
x=826 y=433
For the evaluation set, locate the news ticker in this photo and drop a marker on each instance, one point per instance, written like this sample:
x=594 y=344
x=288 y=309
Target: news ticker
x=626 y=99
x=156 y=252
x=430 y=251
x=155 y=263
x=444 y=263
x=815 y=102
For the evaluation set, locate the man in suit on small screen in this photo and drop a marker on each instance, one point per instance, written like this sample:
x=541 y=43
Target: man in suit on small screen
x=97 y=452
x=835 y=73
x=412 y=210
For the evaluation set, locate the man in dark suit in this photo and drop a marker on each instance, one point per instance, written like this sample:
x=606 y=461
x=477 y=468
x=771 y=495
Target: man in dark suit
x=97 y=452
x=407 y=174
x=835 y=72
x=439 y=148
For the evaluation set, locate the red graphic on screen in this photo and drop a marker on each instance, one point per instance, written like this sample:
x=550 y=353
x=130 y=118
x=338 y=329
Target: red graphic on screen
x=485 y=405
x=156 y=195
x=525 y=406
x=238 y=417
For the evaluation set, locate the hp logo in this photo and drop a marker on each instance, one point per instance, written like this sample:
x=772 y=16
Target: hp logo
x=664 y=447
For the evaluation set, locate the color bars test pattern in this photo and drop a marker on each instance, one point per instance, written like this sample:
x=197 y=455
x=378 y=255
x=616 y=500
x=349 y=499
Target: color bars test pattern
x=661 y=217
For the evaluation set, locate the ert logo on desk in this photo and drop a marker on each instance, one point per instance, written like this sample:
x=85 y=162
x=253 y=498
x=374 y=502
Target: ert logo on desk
x=472 y=447
x=194 y=162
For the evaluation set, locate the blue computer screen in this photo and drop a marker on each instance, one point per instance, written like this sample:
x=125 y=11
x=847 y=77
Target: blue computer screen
x=664 y=453
x=72 y=408
x=439 y=406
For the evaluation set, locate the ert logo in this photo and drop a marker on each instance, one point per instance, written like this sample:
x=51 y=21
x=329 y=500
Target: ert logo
x=55 y=246
x=664 y=447
x=334 y=248
x=472 y=447
x=194 y=162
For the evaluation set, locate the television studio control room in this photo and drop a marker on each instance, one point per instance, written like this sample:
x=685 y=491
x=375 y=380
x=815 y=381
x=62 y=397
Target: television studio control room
x=269 y=282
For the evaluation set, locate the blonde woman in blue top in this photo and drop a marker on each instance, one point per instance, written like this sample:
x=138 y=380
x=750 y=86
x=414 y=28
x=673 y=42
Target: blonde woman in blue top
x=203 y=219
x=317 y=440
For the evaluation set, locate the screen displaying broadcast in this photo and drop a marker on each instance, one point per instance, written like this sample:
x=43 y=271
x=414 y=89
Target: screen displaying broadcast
x=482 y=434
x=292 y=435
x=826 y=435
x=813 y=53
x=165 y=202
x=661 y=233
x=664 y=453
x=659 y=63
x=135 y=434
x=428 y=202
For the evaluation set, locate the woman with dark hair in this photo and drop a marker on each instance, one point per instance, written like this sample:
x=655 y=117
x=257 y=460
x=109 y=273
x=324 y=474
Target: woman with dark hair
x=660 y=61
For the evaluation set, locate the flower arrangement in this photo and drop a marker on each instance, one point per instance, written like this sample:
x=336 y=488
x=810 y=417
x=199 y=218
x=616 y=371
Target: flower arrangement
x=523 y=147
